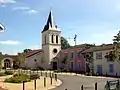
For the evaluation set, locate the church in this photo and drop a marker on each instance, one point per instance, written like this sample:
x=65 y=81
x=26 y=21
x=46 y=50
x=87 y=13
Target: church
x=51 y=56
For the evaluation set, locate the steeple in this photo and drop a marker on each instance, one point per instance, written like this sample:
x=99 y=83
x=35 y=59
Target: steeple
x=2 y=27
x=50 y=23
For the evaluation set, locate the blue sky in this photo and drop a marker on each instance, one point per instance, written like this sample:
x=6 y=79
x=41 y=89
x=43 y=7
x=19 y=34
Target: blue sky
x=94 y=21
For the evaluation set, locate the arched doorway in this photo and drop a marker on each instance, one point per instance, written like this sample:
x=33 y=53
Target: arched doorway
x=55 y=63
x=7 y=63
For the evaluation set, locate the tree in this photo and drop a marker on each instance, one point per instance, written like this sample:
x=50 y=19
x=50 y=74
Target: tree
x=26 y=50
x=116 y=43
x=64 y=43
x=115 y=53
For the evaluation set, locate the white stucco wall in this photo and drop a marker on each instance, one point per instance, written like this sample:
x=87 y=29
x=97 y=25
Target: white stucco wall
x=105 y=63
x=30 y=63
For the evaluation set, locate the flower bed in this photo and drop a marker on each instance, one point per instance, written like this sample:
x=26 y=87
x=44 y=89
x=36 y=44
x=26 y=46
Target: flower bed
x=2 y=74
x=18 y=78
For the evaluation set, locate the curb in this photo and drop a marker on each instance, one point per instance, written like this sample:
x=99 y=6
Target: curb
x=59 y=82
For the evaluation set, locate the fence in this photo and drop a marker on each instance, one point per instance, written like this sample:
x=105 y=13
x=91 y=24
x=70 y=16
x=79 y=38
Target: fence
x=46 y=78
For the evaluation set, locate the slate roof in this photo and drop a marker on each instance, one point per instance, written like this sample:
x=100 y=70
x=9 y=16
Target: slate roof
x=50 y=23
x=2 y=27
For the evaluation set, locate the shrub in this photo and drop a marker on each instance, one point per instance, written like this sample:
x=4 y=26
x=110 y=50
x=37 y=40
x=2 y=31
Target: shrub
x=18 y=78
x=38 y=68
x=34 y=76
x=2 y=74
x=8 y=72
x=66 y=70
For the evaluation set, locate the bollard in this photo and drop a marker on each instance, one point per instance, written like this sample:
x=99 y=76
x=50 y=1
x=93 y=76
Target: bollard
x=46 y=74
x=41 y=73
x=51 y=80
x=44 y=82
x=50 y=74
x=23 y=85
x=56 y=77
x=96 y=86
x=35 y=84
x=82 y=87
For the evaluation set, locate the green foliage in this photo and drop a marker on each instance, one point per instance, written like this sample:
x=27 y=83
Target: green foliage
x=2 y=74
x=8 y=72
x=63 y=70
x=64 y=43
x=116 y=49
x=27 y=50
x=34 y=76
x=18 y=78
x=38 y=68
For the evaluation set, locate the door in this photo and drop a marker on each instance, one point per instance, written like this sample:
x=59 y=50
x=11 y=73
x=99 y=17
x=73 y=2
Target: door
x=54 y=66
x=99 y=69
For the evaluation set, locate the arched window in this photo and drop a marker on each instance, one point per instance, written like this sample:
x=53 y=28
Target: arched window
x=52 y=39
x=57 y=39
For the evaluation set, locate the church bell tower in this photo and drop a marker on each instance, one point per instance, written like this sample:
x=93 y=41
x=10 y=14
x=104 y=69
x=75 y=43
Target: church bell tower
x=51 y=41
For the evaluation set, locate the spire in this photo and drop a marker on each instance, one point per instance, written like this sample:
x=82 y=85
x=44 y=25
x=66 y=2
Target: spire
x=50 y=22
x=2 y=27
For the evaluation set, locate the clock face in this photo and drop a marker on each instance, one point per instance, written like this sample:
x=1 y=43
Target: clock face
x=54 y=50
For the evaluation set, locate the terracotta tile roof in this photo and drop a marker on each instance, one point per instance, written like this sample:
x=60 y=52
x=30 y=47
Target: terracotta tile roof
x=33 y=52
x=99 y=48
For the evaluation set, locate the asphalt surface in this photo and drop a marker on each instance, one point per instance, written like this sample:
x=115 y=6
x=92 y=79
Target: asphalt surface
x=75 y=82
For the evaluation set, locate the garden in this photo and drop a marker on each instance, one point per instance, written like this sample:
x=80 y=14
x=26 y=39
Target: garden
x=20 y=77
x=5 y=73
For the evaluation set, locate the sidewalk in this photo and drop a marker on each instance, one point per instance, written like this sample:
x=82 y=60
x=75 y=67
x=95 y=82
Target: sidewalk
x=82 y=75
x=30 y=85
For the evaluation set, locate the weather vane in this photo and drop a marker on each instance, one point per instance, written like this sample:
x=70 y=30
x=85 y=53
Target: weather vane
x=75 y=39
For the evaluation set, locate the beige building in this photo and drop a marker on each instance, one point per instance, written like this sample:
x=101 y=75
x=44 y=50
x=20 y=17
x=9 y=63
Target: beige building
x=101 y=64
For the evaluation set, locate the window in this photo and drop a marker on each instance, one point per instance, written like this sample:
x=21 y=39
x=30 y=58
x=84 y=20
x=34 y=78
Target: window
x=79 y=54
x=45 y=39
x=111 y=68
x=72 y=54
x=52 y=39
x=35 y=60
x=56 y=39
x=99 y=55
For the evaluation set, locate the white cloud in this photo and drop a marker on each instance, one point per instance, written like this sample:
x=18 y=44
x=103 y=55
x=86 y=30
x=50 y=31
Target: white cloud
x=27 y=10
x=32 y=12
x=20 y=8
x=10 y=42
x=7 y=1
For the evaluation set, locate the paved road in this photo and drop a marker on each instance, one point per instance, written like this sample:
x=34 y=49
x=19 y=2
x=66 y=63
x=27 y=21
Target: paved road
x=74 y=82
